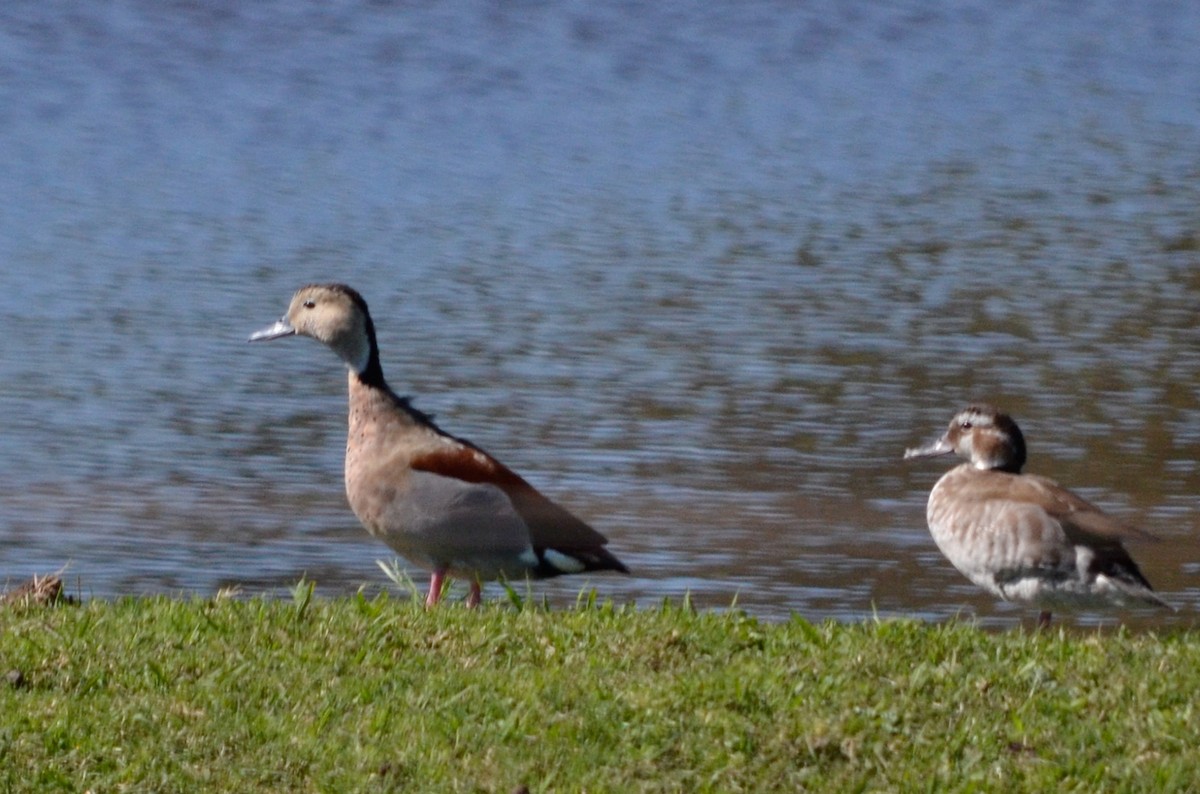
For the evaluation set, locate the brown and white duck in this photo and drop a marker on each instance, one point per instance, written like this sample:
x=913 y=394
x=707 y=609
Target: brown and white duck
x=439 y=501
x=1023 y=537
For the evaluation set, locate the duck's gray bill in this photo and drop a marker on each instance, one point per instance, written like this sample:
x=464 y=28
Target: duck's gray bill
x=281 y=328
x=939 y=447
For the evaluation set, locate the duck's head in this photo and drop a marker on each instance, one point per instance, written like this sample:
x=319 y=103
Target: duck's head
x=334 y=314
x=984 y=436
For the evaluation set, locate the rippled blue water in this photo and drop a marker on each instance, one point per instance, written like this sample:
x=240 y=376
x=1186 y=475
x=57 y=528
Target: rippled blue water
x=699 y=273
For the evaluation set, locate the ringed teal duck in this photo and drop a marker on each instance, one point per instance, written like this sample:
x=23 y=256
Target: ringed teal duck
x=437 y=500
x=1023 y=537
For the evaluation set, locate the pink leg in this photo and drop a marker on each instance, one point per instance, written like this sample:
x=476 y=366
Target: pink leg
x=435 y=588
x=475 y=596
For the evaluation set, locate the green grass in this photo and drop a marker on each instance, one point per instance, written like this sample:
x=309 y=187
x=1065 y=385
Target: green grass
x=367 y=694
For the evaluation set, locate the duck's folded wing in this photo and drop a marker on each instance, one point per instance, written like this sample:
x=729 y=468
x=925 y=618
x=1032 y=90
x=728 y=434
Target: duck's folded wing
x=551 y=528
x=451 y=521
x=1082 y=520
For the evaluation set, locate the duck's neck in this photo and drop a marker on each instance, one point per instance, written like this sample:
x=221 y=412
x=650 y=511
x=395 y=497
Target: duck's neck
x=370 y=396
x=372 y=423
x=370 y=374
x=374 y=407
x=361 y=353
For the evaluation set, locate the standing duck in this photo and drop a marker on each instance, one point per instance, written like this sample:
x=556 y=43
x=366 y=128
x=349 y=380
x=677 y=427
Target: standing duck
x=437 y=500
x=1023 y=537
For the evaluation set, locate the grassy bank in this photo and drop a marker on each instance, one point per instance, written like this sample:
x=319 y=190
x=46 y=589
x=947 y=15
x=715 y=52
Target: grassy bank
x=361 y=694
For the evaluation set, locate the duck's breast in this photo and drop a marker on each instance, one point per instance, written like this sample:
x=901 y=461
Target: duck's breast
x=996 y=542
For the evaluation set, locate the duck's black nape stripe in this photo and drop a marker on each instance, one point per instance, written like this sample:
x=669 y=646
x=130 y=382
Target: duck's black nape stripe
x=373 y=374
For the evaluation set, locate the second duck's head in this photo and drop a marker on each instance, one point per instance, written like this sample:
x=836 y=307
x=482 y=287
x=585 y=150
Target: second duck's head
x=334 y=314
x=984 y=436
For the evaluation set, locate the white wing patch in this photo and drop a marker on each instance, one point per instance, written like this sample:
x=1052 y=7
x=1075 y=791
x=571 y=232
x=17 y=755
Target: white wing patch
x=563 y=562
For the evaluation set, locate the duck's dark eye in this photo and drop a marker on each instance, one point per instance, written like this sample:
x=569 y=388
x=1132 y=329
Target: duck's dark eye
x=310 y=304
x=966 y=426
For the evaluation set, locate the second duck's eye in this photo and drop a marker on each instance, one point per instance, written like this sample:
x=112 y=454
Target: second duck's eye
x=310 y=304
